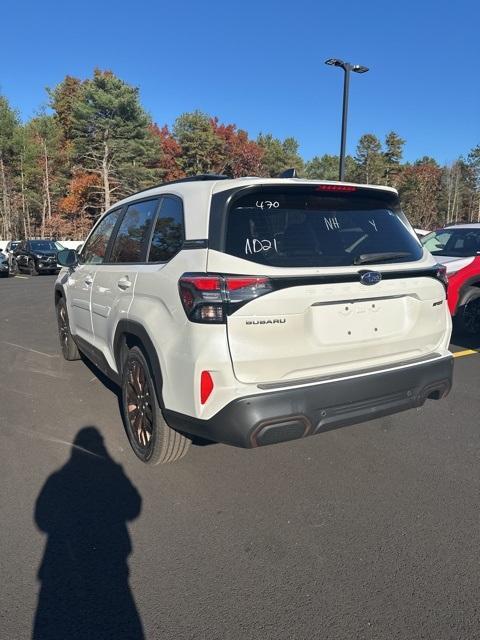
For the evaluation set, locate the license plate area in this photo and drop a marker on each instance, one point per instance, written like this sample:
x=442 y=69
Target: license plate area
x=347 y=321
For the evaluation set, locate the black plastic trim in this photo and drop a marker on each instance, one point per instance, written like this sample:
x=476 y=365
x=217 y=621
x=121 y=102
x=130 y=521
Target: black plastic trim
x=195 y=244
x=287 y=414
x=282 y=282
x=97 y=357
x=127 y=327
x=202 y=177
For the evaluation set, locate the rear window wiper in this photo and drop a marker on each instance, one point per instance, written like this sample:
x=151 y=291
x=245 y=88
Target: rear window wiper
x=366 y=258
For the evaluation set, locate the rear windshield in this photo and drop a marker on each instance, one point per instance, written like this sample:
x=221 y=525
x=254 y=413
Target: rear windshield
x=310 y=228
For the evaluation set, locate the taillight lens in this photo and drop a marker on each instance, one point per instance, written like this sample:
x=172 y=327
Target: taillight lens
x=211 y=298
x=346 y=188
x=442 y=275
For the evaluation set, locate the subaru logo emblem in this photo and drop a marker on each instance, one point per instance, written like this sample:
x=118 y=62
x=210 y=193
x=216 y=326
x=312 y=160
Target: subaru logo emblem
x=370 y=277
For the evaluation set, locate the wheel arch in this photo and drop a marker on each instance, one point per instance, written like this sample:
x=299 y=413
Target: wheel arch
x=470 y=290
x=59 y=293
x=129 y=334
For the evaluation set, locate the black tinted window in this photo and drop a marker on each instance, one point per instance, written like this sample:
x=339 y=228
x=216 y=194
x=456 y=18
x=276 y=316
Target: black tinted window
x=458 y=243
x=309 y=227
x=95 y=248
x=168 y=234
x=133 y=232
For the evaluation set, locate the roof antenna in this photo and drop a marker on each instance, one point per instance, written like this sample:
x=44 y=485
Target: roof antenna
x=288 y=173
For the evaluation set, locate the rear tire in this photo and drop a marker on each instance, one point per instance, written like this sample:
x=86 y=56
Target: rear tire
x=470 y=318
x=151 y=439
x=69 y=348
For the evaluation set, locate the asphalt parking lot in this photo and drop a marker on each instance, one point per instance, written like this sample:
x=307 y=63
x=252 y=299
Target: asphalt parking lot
x=370 y=531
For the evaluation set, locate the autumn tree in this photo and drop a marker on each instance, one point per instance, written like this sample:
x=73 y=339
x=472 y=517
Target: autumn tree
x=111 y=136
x=240 y=156
x=420 y=192
x=170 y=156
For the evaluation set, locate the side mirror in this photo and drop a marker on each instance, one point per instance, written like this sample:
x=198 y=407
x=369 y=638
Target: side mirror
x=67 y=258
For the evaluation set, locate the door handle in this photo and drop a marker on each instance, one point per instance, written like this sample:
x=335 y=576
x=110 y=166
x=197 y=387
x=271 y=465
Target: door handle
x=124 y=284
x=88 y=281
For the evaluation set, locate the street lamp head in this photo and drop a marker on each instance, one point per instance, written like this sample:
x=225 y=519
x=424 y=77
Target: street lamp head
x=358 y=68
x=334 y=62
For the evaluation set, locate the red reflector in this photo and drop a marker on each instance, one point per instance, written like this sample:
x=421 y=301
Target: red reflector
x=239 y=283
x=335 y=187
x=206 y=386
x=207 y=283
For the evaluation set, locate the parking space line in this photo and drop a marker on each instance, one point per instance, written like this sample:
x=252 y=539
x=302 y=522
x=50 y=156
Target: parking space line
x=22 y=277
x=466 y=352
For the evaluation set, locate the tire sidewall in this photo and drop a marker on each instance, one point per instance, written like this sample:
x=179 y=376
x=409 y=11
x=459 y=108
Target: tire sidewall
x=69 y=351
x=466 y=326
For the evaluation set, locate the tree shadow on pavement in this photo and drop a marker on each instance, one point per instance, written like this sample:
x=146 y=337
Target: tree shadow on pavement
x=83 y=508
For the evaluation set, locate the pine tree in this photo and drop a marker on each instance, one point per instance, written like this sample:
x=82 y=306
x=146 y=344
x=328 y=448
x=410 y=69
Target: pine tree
x=370 y=160
x=8 y=126
x=111 y=136
x=202 y=150
x=393 y=156
x=278 y=155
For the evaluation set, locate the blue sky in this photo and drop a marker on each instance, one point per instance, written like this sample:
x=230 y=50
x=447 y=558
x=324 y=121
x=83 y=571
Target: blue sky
x=260 y=64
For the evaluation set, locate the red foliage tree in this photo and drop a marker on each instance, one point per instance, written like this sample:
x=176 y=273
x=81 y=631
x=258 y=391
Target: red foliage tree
x=79 y=206
x=171 y=152
x=243 y=157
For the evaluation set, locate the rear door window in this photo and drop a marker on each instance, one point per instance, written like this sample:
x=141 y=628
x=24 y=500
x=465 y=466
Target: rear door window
x=95 y=247
x=310 y=227
x=168 y=233
x=132 y=235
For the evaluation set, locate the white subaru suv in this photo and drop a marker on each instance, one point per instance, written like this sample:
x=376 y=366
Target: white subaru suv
x=252 y=311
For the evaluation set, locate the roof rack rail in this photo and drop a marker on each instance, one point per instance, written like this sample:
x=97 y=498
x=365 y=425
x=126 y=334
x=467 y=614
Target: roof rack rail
x=198 y=178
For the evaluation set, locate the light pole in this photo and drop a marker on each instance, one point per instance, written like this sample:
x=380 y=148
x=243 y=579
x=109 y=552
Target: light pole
x=347 y=68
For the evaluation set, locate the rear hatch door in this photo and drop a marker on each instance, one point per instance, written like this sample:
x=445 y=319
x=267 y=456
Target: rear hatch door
x=349 y=286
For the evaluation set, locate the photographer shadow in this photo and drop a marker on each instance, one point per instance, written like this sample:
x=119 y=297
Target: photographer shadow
x=83 y=508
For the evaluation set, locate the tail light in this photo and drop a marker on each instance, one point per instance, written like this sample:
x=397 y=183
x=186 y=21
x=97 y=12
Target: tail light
x=441 y=274
x=336 y=187
x=211 y=298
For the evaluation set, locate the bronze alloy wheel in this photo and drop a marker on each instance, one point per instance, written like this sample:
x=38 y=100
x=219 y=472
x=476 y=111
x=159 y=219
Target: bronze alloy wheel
x=152 y=440
x=139 y=406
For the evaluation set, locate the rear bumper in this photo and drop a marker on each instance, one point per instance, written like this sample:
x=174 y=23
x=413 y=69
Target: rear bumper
x=288 y=414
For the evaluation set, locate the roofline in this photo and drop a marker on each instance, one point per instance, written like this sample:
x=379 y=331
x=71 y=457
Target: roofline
x=218 y=184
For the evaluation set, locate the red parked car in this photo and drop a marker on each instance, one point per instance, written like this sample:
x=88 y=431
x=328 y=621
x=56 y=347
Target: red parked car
x=458 y=248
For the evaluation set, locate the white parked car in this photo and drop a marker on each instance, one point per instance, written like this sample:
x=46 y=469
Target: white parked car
x=254 y=311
